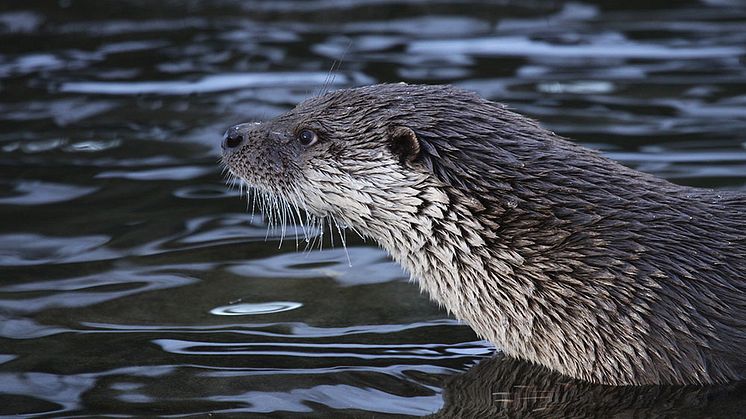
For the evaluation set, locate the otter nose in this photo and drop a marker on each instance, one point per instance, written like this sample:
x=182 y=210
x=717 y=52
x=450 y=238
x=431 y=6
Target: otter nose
x=232 y=139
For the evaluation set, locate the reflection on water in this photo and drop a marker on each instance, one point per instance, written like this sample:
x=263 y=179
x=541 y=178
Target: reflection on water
x=134 y=282
x=503 y=387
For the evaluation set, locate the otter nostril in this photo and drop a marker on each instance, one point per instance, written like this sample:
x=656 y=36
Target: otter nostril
x=232 y=141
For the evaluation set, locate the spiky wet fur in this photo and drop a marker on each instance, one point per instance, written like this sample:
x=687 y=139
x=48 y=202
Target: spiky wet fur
x=556 y=254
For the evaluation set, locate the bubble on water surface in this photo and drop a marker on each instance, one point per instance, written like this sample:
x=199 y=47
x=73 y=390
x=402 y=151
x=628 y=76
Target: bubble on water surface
x=246 y=309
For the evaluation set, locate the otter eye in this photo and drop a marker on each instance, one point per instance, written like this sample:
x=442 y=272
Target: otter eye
x=307 y=137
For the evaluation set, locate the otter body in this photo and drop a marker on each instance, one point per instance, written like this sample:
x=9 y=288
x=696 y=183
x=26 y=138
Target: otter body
x=553 y=252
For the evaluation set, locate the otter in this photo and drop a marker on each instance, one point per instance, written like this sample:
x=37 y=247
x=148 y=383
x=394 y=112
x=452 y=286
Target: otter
x=553 y=252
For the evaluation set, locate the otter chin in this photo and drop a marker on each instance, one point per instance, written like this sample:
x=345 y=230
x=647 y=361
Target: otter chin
x=556 y=254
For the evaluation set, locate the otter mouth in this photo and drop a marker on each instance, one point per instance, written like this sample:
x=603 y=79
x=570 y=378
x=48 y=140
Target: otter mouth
x=283 y=211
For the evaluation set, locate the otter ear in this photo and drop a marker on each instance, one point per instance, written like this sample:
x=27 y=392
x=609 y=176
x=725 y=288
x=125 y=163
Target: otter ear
x=404 y=143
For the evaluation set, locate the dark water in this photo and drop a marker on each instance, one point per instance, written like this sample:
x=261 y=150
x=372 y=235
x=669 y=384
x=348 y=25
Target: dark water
x=132 y=282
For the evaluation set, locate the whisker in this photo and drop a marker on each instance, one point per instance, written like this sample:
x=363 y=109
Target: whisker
x=331 y=231
x=253 y=198
x=332 y=75
x=343 y=239
x=283 y=228
x=340 y=61
x=295 y=222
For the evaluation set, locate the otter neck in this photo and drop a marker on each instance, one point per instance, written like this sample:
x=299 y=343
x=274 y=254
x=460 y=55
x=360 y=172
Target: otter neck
x=440 y=241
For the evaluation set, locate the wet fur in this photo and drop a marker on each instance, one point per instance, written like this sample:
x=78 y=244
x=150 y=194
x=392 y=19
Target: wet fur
x=556 y=254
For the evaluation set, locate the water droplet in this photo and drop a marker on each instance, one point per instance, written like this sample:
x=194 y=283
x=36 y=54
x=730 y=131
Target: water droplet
x=247 y=309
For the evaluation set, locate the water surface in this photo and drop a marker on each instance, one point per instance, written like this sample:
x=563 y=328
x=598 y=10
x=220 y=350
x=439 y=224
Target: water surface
x=134 y=282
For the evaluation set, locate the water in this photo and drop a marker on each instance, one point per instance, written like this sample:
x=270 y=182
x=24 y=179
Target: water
x=133 y=282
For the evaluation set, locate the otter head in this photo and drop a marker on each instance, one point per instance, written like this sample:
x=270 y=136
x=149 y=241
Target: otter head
x=354 y=155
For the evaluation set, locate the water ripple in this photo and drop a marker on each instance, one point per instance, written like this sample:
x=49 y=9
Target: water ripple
x=521 y=46
x=215 y=83
x=31 y=249
x=40 y=193
x=368 y=267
